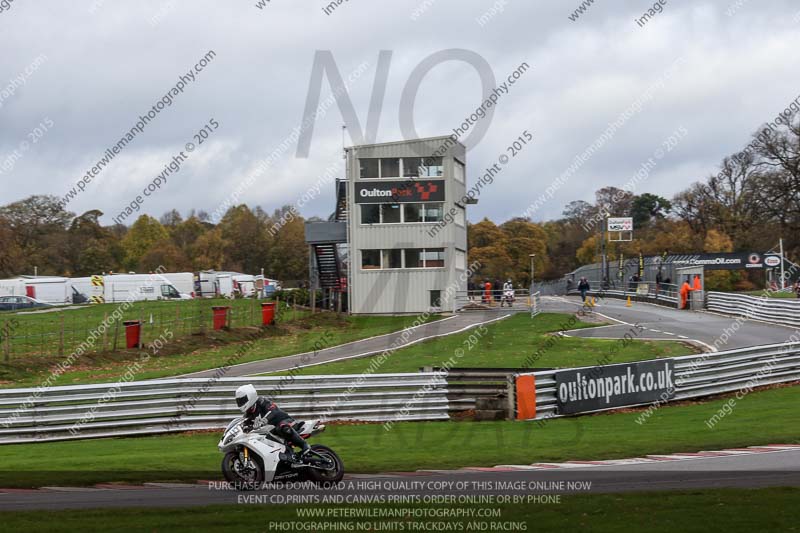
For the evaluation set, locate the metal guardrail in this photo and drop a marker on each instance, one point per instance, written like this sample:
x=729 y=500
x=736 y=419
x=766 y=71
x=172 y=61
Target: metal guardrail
x=171 y=405
x=662 y=293
x=466 y=386
x=778 y=310
x=702 y=375
x=482 y=300
x=536 y=303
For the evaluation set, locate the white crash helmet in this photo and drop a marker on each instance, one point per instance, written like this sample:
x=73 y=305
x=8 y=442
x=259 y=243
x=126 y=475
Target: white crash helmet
x=246 y=397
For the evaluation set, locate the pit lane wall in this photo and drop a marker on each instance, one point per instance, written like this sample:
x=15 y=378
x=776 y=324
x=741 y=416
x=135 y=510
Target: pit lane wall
x=556 y=393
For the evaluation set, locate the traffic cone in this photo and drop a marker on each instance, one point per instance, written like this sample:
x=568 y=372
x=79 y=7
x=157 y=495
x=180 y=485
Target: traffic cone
x=629 y=304
x=594 y=301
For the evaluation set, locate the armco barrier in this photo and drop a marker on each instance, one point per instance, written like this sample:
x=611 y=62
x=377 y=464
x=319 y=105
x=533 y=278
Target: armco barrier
x=663 y=294
x=779 y=310
x=170 y=405
x=695 y=376
x=466 y=387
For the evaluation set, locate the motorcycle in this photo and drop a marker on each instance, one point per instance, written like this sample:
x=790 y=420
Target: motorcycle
x=508 y=297
x=253 y=458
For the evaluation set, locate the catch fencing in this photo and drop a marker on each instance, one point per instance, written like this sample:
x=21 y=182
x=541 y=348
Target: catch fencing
x=779 y=310
x=173 y=405
x=695 y=376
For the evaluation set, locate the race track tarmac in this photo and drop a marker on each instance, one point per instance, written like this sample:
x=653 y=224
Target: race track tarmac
x=704 y=329
x=780 y=468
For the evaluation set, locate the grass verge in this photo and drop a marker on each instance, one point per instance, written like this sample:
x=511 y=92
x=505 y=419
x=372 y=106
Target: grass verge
x=515 y=342
x=763 y=417
x=701 y=511
x=295 y=332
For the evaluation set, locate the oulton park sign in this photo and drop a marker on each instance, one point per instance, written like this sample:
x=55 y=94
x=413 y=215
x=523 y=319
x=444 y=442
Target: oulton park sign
x=405 y=191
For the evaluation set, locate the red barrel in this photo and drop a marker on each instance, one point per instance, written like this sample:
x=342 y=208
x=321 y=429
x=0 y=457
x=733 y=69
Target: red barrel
x=220 y=314
x=267 y=313
x=133 y=333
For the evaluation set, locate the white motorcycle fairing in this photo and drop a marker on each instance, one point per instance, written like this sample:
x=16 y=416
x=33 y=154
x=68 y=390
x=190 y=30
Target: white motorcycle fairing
x=261 y=442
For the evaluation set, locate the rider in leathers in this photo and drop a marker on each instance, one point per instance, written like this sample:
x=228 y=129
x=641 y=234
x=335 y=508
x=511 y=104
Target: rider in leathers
x=266 y=412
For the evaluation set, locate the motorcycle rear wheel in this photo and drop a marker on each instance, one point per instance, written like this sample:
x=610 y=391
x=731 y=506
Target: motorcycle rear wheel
x=334 y=475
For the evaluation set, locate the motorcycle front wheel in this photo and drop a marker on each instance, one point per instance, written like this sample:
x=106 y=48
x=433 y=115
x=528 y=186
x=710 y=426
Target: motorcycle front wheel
x=235 y=473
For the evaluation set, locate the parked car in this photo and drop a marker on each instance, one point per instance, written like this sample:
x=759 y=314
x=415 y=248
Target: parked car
x=15 y=303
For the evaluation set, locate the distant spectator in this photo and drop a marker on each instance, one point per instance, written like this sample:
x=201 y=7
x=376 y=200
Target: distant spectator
x=498 y=290
x=584 y=287
x=797 y=288
x=487 y=292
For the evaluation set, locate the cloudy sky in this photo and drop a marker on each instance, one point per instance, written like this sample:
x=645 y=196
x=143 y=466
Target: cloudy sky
x=75 y=76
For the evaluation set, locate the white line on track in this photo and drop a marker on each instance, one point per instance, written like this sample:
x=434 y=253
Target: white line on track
x=704 y=344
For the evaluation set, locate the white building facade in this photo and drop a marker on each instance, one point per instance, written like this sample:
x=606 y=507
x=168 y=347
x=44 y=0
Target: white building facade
x=406 y=226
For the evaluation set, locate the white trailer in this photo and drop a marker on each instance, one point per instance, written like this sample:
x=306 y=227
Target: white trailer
x=206 y=284
x=214 y=284
x=51 y=290
x=12 y=287
x=138 y=287
x=244 y=284
x=183 y=281
x=225 y=285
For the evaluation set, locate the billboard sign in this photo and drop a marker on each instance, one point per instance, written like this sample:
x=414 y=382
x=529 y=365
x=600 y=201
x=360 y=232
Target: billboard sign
x=394 y=192
x=604 y=387
x=726 y=260
x=620 y=224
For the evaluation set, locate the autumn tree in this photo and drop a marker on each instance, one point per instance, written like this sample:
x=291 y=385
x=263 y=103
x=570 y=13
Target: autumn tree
x=523 y=238
x=288 y=255
x=38 y=224
x=164 y=254
x=208 y=251
x=246 y=240
x=12 y=258
x=488 y=245
x=144 y=233
x=718 y=280
x=92 y=248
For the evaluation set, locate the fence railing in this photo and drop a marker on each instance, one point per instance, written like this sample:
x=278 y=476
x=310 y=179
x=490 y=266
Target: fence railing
x=170 y=405
x=665 y=293
x=695 y=376
x=778 y=310
x=490 y=299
